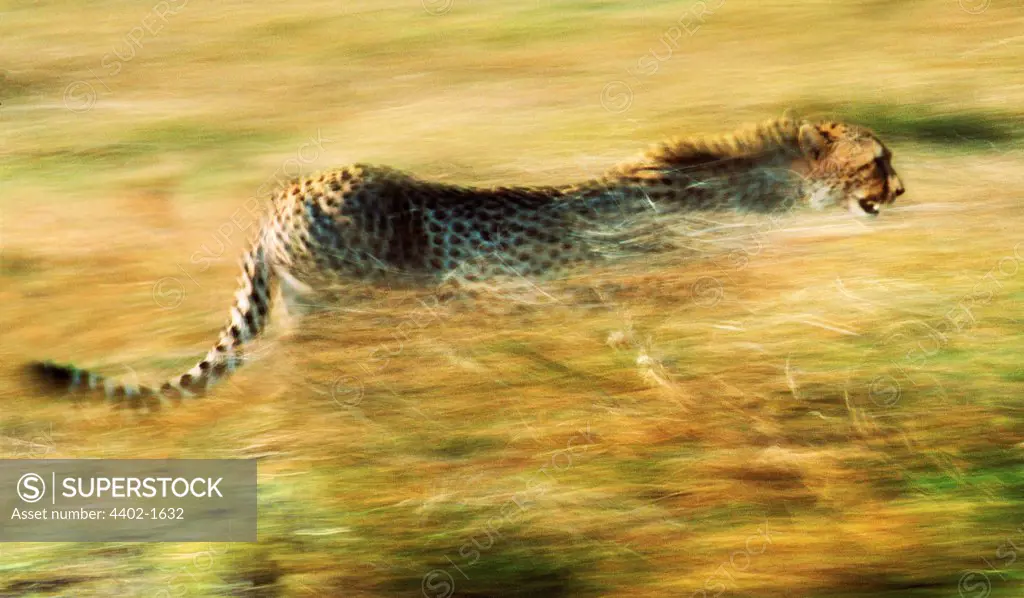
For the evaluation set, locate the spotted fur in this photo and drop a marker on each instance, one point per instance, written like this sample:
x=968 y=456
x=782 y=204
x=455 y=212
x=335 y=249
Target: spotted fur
x=373 y=223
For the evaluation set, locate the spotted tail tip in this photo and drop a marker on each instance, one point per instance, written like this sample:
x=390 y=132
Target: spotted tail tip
x=51 y=377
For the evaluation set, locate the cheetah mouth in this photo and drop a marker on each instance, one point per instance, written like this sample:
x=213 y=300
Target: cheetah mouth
x=869 y=206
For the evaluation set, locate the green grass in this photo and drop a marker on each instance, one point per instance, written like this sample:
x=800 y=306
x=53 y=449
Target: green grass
x=963 y=130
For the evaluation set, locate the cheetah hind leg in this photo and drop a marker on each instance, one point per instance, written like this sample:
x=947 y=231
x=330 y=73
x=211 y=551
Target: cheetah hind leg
x=304 y=304
x=301 y=303
x=298 y=298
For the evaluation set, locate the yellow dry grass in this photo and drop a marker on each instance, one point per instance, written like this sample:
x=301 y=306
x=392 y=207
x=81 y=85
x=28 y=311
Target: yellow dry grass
x=795 y=426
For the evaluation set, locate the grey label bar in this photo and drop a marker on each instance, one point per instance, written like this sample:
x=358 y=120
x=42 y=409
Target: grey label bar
x=137 y=500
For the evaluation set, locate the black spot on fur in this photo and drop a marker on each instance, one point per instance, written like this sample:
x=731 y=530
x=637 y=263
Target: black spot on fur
x=168 y=391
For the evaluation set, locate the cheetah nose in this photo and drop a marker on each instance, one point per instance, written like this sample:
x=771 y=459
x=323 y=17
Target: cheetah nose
x=898 y=190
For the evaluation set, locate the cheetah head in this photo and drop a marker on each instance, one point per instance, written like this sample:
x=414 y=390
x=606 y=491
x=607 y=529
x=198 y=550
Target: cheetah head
x=847 y=166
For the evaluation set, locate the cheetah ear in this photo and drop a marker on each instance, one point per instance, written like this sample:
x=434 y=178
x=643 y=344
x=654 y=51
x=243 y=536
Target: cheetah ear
x=812 y=142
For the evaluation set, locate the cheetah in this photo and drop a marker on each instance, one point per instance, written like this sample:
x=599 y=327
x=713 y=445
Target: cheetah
x=375 y=223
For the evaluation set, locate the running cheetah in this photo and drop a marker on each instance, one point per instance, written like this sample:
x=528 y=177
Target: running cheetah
x=374 y=223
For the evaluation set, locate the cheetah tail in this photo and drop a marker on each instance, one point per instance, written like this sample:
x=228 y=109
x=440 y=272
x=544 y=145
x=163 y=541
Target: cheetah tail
x=249 y=316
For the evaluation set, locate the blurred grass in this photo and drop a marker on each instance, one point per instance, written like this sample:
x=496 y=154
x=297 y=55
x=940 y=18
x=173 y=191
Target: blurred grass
x=789 y=405
x=960 y=130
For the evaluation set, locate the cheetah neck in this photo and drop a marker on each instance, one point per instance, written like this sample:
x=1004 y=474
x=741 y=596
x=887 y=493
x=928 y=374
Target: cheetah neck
x=758 y=169
x=764 y=183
